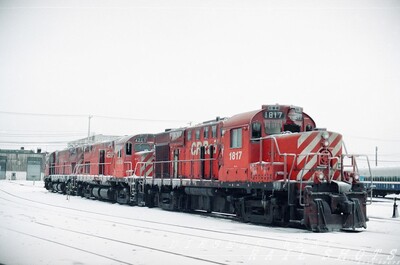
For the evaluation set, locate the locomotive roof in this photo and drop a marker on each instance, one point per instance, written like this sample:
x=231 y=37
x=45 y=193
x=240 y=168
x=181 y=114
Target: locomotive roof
x=120 y=143
x=94 y=139
x=123 y=139
x=240 y=119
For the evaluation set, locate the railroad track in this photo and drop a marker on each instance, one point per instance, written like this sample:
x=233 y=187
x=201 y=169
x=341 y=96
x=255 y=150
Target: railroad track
x=263 y=243
x=111 y=240
x=65 y=245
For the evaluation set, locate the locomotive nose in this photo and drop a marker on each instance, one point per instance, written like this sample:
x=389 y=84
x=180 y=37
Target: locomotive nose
x=341 y=208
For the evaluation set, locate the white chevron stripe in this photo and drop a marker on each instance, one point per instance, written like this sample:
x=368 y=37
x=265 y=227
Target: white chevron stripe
x=302 y=138
x=338 y=146
x=311 y=163
x=149 y=171
x=309 y=148
x=335 y=151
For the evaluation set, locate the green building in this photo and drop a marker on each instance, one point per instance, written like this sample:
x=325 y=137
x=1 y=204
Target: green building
x=22 y=164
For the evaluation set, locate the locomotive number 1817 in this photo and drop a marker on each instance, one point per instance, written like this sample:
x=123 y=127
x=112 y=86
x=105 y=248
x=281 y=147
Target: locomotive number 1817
x=235 y=155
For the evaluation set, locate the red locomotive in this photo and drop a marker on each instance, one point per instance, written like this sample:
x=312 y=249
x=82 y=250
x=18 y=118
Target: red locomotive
x=101 y=169
x=270 y=166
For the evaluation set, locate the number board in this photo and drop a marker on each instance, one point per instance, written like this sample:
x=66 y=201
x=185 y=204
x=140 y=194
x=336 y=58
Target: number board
x=276 y=115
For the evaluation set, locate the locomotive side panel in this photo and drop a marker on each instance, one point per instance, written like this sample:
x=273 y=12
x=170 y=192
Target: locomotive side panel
x=201 y=151
x=64 y=162
x=236 y=154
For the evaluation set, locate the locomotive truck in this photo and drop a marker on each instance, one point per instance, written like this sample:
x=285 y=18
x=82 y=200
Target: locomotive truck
x=269 y=166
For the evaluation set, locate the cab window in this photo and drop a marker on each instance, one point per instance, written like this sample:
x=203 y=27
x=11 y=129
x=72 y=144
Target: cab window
x=205 y=132
x=87 y=167
x=214 y=131
x=291 y=128
x=256 y=130
x=273 y=127
x=128 y=149
x=142 y=147
x=236 y=138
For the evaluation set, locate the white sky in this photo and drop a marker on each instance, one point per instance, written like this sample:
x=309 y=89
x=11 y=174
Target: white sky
x=167 y=61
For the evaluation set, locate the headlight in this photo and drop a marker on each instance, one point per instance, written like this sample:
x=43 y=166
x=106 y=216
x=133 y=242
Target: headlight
x=325 y=143
x=356 y=177
x=319 y=177
x=325 y=135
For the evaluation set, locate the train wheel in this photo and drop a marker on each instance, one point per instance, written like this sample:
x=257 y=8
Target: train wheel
x=87 y=191
x=123 y=196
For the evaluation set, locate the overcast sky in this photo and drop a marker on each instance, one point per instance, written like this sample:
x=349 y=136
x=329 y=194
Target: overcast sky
x=167 y=63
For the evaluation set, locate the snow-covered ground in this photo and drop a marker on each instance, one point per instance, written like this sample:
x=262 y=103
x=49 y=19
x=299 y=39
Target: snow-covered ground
x=40 y=227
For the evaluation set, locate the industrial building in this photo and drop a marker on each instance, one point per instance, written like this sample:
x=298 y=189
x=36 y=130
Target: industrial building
x=22 y=164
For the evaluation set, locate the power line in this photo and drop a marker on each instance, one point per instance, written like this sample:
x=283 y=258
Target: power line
x=373 y=139
x=86 y=116
x=33 y=142
x=40 y=131
x=43 y=114
x=8 y=135
x=136 y=119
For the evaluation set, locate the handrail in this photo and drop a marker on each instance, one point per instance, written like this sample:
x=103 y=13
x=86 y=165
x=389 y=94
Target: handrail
x=372 y=183
x=60 y=167
x=355 y=169
x=330 y=171
x=77 y=166
x=141 y=163
x=130 y=166
x=335 y=168
x=273 y=138
x=286 y=174
x=301 y=181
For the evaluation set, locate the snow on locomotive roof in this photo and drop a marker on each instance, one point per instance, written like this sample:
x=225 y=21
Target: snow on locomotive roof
x=123 y=139
x=99 y=138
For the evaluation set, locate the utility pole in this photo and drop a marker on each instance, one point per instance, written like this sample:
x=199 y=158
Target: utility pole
x=376 y=156
x=88 y=134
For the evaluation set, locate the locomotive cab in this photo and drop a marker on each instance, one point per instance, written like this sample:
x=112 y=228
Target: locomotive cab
x=286 y=119
x=253 y=141
x=125 y=152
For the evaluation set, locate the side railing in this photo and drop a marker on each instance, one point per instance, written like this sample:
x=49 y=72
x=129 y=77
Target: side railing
x=75 y=170
x=130 y=170
x=61 y=170
x=355 y=169
x=339 y=165
x=173 y=170
x=331 y=170
x=275 y=146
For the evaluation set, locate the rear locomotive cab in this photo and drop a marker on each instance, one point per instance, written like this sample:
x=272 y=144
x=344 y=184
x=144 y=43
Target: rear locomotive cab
x=125 y=152
x=296 y=171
